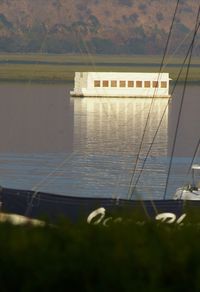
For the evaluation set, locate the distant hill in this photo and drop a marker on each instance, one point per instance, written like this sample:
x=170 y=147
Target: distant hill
x=95 y=26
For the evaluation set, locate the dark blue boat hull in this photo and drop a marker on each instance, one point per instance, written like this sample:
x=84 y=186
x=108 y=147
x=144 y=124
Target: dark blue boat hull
x=53 y=207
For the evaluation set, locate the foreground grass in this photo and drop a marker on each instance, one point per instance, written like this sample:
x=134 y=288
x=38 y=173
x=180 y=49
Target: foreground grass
x=121 y=257
x=61 y=68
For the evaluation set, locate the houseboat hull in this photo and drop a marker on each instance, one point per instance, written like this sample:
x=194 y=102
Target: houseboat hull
x=89 y=94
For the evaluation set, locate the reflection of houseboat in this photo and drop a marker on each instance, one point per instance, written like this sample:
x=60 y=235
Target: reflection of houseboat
x=98 y=121
x=119 y=84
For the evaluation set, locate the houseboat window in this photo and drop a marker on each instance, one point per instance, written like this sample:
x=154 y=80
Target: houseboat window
x=163 y=84
x=122 y=83
x=130 y=83
x=147 y=84
x=113 y=83
x=155 y=84
x=97 y=83
x=138 y=83
x=105 y=83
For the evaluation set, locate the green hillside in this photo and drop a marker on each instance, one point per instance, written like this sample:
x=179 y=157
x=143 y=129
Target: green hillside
x=82 y=26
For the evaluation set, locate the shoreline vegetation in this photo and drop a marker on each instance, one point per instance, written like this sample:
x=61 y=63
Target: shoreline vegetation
x=52 y=68
x=121 y=257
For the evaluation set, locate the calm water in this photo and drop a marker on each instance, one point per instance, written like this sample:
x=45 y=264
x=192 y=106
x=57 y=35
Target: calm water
x=88 y=147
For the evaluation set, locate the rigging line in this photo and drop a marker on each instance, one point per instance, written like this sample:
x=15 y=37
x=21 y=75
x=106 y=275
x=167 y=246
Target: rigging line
x=149 y=150
x=182 y=67
x=140 y=148
x=193 y=158
x=93 y=64
x=101 y=102
x=180 y=71
x=35 y=189
x=92 y=60
x=161 y=119
x=90 y=57
x=89 y=54
x=181 y=105
x=177 y=79
x=151 y=145
x=171 y=56
x=53 y=171
x=141 y=144
x=190 y=167
x=86 y=49
x=39 y=51
x=145 y=128
x=169 y=35
x=178 y=47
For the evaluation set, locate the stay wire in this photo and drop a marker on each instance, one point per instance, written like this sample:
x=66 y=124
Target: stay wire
x=191 y=163
x=130 y=192
x=183 y=64
x=38 y=185
x=164 y=112
x=181 y=105
x=35 y=188
x=194 y=156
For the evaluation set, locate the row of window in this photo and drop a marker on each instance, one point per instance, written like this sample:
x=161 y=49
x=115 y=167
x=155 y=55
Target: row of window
x=130 y=83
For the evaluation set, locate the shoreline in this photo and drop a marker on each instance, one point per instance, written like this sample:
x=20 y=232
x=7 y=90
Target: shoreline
x=62 y=81
x=38 y=68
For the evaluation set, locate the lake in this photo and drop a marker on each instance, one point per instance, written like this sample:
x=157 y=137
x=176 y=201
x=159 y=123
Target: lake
x=90 y=146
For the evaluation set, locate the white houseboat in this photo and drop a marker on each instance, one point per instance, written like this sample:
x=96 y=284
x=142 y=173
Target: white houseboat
x=120 y=84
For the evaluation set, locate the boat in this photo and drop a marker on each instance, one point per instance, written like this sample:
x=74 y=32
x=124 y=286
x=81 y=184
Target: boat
x=189 y=191
x=121 y=84
x=27 y=207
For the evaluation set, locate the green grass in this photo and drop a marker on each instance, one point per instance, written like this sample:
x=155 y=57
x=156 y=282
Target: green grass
x=122 y=257
x=61 y=68
x=94 y=58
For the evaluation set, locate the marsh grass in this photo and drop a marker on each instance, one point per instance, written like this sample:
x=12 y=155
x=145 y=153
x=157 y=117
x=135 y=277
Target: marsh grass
x=80 y=257
x=61 y=68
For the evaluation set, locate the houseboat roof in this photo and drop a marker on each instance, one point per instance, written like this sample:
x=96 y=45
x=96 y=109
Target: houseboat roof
x=126 y=74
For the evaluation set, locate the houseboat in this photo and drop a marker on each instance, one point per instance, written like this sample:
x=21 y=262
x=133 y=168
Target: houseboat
x=120 y=84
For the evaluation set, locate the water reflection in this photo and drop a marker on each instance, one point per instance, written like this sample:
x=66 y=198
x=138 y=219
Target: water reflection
x=117 y=125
